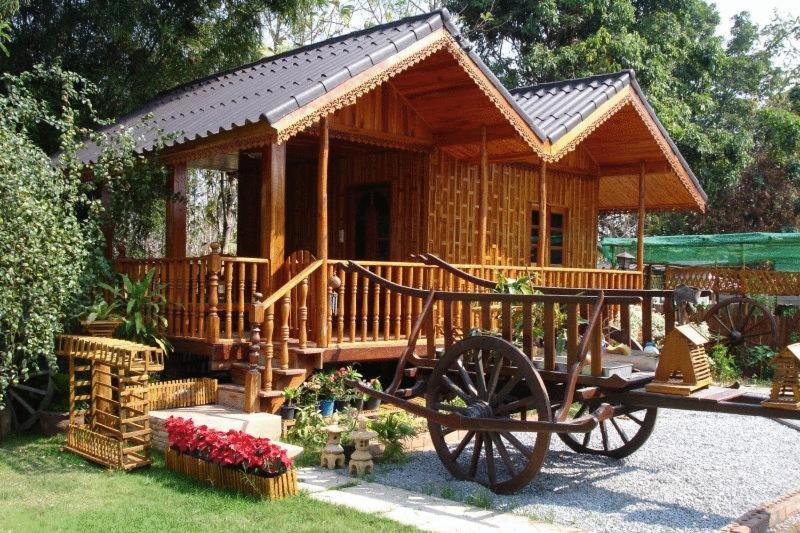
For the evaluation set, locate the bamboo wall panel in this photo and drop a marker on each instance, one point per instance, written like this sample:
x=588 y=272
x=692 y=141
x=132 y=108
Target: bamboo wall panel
x=452 y=230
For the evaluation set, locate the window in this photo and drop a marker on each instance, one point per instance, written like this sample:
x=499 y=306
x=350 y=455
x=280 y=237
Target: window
x=556 y=230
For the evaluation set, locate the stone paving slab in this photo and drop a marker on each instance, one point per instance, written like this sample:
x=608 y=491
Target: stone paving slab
x=425 y=512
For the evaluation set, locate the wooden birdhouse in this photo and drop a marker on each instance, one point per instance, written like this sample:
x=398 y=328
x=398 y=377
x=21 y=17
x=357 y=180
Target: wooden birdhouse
x=683 y=365
x=785 y=392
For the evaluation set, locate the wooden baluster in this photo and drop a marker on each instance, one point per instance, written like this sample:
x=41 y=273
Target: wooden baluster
x=448 y=323
x=331 y=289
x=268 y=328
x=376 y=305
x=202 y=298
x=194 y=280
x=573 y=334
x=364 y=309
x=408 y=303
x=185 y=285
x=527 y=328
x=387 y=306
x=253 y=379
x=228 y=312
x=430 y=334
x=625 y=323
x=253 y=281
x=597 y=350
x=342 y=307
x=302 y=315
x=286 y=307
x=507 y=320
x=214 y=266
x=398 y=303
x=647 y=319
x=549 y=336
x=669 y=314
x=352 y=310
x=486 y=316
x=241 y=305
x=171 y=304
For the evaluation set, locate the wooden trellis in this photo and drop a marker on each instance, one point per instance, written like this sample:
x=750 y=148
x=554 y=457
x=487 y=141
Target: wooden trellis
x=111 y=375
x=735 y=280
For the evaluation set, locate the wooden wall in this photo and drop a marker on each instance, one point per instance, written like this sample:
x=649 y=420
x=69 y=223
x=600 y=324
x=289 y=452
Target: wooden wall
x=452 y=197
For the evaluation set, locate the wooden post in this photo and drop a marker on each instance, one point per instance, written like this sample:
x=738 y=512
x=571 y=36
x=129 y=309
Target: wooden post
x=214 y=267
x=322 y=234
x=484 y=203
x=252 y=383
x=640 y=223
x=175 y=241
x=272 y=213
x=543 y=218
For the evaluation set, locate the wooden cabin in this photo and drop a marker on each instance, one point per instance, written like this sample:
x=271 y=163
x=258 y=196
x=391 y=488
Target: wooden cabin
x=380 y=144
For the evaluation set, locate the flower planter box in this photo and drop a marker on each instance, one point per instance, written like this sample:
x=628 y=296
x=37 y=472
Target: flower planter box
x=218 y=476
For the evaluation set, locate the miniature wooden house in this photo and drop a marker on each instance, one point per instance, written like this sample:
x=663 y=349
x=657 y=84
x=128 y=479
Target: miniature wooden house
x=683 y=366
x=785 y=392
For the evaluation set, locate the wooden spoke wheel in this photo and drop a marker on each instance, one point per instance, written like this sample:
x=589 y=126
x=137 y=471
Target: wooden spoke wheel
x=742 y=322
x=488 y=377
x=27 y=398
x=616 y=437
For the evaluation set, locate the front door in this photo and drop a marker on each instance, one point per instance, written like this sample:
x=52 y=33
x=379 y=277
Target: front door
x=371 y=219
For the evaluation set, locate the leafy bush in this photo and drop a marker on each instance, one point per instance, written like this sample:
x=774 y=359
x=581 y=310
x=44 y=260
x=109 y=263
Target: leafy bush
x=308 y=430
x=144 y=313
x=723 y=365
x=757 y=361
x=391 y=429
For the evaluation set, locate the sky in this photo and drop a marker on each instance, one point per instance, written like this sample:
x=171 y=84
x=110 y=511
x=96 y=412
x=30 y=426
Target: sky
x=760 y=10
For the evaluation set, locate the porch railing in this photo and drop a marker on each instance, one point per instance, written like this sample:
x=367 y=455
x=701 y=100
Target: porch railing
x=735 y=280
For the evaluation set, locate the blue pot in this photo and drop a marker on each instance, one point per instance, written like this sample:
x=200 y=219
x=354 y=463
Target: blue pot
x=326 y=406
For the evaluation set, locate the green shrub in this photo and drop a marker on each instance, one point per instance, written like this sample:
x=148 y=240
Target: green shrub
x=392 y=428
x=723 y=366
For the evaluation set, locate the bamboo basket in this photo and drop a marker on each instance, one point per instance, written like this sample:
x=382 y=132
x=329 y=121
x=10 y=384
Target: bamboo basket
x=272 y=488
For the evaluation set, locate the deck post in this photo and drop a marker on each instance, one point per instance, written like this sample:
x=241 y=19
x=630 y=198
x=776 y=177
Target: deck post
x=640 y=222
x=322 y=234
x=543 y=218
x=484 y=203
x=175 y=239
x=272 y=217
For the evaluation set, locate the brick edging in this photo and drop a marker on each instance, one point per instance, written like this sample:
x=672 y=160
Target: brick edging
x=768 y=515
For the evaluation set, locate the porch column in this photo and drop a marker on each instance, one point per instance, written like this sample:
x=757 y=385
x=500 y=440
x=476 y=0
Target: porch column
x=322 y=234
x=484 y=202
x=175 y=241
x=272 y=211
x=543 y=219
x=640 y=222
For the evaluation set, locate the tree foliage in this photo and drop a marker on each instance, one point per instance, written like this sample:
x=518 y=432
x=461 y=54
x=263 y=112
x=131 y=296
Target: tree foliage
x=728 y=105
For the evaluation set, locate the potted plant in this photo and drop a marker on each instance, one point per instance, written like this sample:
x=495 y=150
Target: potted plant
x=100 y=318
x=371 y=403
x=55 y=419
x=288 y=409
x=324 y=385
x=344 y=394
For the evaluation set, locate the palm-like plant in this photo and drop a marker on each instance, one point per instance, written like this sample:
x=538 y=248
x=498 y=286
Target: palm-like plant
x=144 y=319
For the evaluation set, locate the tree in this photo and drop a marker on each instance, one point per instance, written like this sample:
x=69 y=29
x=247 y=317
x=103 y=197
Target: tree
x=133 y=50
x=711 y=96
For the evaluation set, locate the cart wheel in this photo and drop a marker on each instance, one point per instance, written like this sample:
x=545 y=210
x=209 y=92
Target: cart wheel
x=26 y=399
x=617 y=437
x=741 y=321
x=494 y=380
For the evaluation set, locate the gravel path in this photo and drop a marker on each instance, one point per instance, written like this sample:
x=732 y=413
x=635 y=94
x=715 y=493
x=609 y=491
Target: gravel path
x=697 y=472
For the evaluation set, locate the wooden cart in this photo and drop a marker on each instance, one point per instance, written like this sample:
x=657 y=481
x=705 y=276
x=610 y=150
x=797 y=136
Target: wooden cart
x=492 y=405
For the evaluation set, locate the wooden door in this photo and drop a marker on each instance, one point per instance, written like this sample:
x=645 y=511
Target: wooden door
x=371 y=220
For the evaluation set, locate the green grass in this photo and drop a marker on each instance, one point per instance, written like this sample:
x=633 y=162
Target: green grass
x=42 y=488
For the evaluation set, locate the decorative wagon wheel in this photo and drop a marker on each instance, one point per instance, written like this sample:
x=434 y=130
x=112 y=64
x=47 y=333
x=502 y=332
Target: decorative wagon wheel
x=495 y=380
x=741 y=321
x=616 y=437
x=27 y=398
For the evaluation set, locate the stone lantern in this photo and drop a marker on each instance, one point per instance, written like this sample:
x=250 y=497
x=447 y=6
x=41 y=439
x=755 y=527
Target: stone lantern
x=361 y=460
x=332 y=455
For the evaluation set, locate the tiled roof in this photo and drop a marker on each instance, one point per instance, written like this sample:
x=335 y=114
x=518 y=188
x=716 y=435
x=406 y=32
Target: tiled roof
x=559 y=106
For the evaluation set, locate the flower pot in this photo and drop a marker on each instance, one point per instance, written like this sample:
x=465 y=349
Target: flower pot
x=326 y=406
x=288 y=411
x=101 y=328
x=349 y=448
x=372 y=404
x=357 y=404
x=339 y=405
x=53 y=422
x=273 y=487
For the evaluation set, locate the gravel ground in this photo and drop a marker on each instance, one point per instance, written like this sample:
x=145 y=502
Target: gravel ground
x=697 y=472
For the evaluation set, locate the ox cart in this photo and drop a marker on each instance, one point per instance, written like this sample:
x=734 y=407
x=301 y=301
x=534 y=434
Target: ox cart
x=492 y=405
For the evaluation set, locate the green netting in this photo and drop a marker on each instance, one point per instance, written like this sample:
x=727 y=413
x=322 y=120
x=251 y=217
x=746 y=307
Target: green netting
x=734 y=249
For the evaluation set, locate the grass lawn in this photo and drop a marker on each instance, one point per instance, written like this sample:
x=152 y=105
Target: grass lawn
x=42 y=488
